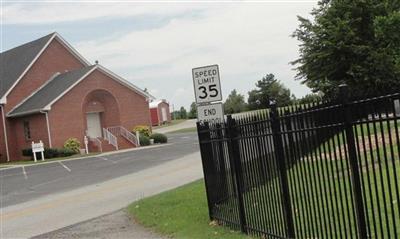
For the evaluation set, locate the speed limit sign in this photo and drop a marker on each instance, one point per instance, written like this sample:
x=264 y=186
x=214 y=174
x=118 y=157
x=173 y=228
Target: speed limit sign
x=207 y=86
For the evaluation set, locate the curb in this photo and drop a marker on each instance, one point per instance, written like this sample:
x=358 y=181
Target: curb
x=83 y=157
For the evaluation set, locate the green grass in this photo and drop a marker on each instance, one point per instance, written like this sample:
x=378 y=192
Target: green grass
x=322 y=178
x=39 y=160
x=173 y=122
x=319 y=184
x=187 y=130
x=180 y=213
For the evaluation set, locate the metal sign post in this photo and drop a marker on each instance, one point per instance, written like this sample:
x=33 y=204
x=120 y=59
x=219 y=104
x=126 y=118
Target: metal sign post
x=207 y=89
x=86 y=140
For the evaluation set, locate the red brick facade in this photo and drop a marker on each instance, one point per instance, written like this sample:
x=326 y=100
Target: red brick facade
x=118 y=104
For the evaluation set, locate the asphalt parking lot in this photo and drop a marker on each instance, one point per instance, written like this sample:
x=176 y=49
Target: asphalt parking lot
x=26 y=183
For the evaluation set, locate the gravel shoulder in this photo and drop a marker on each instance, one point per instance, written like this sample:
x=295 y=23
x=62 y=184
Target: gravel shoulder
x=116 y=225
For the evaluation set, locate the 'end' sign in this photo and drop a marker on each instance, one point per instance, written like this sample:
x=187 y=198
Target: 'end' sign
x=207 y=86
x=210 y=113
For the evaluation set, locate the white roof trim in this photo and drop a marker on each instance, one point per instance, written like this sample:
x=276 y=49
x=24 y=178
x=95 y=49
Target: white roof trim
x=3 y=100
x=107 y=72
x=34 y=92
x=25 y=113
x=48 y=106
x=125 y=82
x=72 y=49
x=98 y=67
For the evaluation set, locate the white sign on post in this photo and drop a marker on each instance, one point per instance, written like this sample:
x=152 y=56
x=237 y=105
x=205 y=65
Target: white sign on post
x=38 y=148
x=210 y=113
x=207 y=86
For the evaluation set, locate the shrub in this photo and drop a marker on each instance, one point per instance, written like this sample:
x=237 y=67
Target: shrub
x=66 y=152
x=143 y=130
x=144 y=140
x=50 y=153
x=72 y=144
x=159 y=138
x=27 y=152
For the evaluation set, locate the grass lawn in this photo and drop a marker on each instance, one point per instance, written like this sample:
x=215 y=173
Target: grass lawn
x=180 y=213
x=320 y=185
x=187 y=130
x=173 y=122
x=39 y=160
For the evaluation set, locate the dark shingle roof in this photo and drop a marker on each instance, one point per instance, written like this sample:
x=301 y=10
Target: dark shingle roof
x=49 y=92
x=15 y=61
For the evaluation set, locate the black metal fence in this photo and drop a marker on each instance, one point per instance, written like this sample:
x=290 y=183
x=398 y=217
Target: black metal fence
x=317 y=171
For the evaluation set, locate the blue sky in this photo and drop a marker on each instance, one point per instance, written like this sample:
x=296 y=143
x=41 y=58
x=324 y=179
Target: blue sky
x=155 y=45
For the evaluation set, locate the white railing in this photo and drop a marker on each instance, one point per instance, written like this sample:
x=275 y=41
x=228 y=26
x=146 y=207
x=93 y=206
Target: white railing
x=121 y=131
x=112 y=139
x=96 y=142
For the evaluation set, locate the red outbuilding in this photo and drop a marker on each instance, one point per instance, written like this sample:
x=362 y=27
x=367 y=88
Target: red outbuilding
x=49 y=92
x=159 y=112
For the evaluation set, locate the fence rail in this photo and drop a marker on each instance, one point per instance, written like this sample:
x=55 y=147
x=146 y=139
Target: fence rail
x=110 y=137
x=317 y=171
x=121 y=131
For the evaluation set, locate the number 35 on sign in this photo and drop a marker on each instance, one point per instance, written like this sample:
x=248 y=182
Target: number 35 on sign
x=207 y=86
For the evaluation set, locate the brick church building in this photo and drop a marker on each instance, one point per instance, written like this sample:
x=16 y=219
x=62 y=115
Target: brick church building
x=49 y=92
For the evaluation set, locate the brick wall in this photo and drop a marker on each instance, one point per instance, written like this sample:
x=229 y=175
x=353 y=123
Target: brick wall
x=122 y=106
x=56 y=58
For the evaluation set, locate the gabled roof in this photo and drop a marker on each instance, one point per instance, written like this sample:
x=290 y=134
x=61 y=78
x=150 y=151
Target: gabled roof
x=14 y=63
x=58 y=86
x=154 y=104
x=50 y=91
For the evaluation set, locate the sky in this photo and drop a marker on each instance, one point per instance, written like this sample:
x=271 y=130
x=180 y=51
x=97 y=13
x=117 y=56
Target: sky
x=155 y=44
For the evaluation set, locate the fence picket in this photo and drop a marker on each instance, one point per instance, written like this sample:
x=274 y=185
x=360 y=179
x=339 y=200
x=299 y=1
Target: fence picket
x=324 y=170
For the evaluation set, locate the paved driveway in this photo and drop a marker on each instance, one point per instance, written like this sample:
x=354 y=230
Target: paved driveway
x=184 y=125
x=43 y=198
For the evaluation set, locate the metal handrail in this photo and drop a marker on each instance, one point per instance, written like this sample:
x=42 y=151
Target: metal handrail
x=110 y=137
x=122 y=131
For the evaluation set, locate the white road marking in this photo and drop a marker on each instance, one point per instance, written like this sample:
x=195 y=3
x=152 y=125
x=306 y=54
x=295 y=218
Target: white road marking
x=24 y=172
x=106 y=159
x=186 y=137
x=68 y=169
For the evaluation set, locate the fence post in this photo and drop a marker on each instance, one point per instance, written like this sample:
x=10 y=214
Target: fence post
x=355 y=172
x=280 y=158
x=222 y=166
x=234 y=155
x=205 y=148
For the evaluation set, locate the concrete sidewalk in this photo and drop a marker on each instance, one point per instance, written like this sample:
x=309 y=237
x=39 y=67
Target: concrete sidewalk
x=184 y=125
x=57 y=211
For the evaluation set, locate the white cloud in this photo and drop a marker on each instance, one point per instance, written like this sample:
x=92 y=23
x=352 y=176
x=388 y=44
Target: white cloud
x=56 y=12
x=247 y=40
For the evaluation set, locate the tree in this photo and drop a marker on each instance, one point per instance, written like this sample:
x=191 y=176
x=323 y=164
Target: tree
x=182 y=113
x=193 y=111
x=352 y=42
x=268 y=88
x=234 y=103
x=310 y=98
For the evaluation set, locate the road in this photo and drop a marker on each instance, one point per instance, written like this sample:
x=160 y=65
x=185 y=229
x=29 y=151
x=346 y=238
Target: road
x=184 y=125
x=47 y=197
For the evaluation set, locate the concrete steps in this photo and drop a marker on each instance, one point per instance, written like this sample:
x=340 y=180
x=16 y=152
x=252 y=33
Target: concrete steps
x=106 y=147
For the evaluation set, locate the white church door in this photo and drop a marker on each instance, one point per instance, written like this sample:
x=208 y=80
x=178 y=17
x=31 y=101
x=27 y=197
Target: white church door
x=93 y=125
